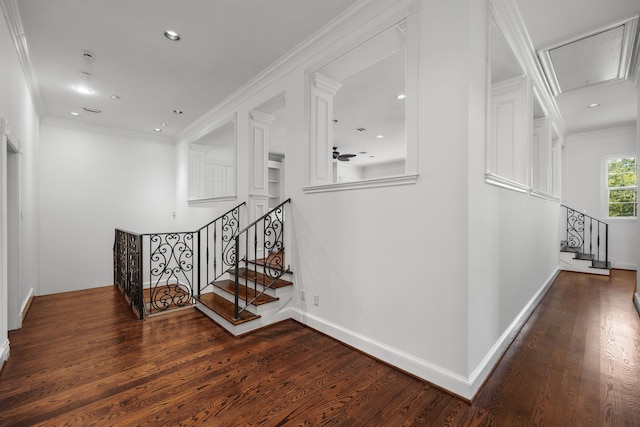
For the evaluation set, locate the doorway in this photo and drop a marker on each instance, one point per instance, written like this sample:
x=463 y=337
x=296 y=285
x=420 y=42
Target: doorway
x=13 y=235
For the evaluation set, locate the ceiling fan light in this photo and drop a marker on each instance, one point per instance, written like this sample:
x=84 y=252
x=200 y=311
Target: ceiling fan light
x=172 y=35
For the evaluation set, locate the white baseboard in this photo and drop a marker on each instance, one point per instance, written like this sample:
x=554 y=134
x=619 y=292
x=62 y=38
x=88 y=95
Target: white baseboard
x=407 y=362
x=636 y=302
x=25 y=305
x=483 y=370
x=4 y=352
x=455 y=383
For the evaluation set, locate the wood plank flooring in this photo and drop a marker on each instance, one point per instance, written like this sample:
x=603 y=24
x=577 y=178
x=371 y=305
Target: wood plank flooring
x=82 y=359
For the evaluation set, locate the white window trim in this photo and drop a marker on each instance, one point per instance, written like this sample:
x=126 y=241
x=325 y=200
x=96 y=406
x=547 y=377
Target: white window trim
x=604 y=183
x=404 y=11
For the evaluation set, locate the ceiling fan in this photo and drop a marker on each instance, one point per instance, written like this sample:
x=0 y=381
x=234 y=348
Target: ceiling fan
x=341 y=157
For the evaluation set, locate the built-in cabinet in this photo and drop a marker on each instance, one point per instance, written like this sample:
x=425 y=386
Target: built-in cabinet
x=275 y=179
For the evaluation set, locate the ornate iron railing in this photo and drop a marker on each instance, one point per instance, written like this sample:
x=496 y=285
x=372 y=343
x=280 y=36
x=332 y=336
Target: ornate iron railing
x=127 y=269
x=260 y=254
x=161 y=271
x=588 y=236
x=216 y=241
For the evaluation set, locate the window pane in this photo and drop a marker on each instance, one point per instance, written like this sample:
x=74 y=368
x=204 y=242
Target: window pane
x=623 y=209
x=618 y=196
x=622 y=165
x=625 y=179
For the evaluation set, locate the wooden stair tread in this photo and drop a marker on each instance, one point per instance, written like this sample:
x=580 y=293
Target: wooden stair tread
x=586 y=257
x=229 y=287
x=225 y=308
x=601 y=264
x=260 y=278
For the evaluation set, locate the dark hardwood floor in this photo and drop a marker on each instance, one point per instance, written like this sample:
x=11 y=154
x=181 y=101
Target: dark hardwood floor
x=82 y=359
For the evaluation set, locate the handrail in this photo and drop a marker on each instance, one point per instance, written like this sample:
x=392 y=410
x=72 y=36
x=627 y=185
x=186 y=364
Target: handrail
x=576 y=237
x=221 y=216
x=271 y=245
x=264 y=216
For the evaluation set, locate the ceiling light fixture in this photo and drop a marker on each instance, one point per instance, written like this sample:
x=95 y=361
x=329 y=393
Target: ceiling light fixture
x=163 y=124
x=594 y=105
x=88 y=56
x=115 y=97
x=74 y=113
x=401 y=96
x=379 y=136
x=172 y=35
x=91 y=110
x=157 y=130
x=177 y=111
x=83 y=90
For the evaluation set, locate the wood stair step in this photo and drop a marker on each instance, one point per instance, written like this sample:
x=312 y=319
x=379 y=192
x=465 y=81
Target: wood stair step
x=586 y=257
x=225 y=308
x=244 y=293
x=260 y=278
x=601 y=264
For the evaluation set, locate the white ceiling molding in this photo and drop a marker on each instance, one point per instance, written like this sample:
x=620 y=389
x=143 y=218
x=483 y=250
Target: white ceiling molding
x=508 y=19
x=14 y=23
x=364 y=12
x=104 y=130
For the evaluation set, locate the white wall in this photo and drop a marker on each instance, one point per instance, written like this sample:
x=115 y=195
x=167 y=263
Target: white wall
x=637 y=231
x=93 y=181
x=584 y=183
x=432 y=276
x=17 y=106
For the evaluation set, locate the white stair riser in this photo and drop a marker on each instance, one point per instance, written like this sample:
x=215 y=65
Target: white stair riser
x=569 y=263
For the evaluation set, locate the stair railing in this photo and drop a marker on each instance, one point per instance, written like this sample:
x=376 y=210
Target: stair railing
x=216 y=241
x=127 y=269
x=260 y=253
x=585 y=234
x=173 y=263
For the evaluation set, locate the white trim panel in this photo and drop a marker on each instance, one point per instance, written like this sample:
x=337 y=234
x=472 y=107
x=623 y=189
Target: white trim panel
x=25 y=304
x=4 y=352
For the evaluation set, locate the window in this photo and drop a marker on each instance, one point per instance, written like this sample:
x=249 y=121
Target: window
x=622 y=187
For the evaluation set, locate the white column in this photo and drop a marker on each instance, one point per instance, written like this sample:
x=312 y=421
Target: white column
x=323 y=89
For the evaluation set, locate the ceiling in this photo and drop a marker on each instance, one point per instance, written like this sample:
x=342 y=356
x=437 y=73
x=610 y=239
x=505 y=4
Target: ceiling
x=225 y=43
x=552 y=22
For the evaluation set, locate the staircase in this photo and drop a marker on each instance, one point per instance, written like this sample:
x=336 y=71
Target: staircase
x=267 y=301
x=585 y=248
x=256 y=289
x=235 y=276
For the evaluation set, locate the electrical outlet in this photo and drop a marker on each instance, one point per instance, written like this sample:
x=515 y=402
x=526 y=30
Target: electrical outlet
x=316 y=300
x=302 y=295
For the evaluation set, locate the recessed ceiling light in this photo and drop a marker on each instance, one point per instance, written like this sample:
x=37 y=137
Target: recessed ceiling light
x=172 y=35
x=163 y=124
x=158 y=130
x=594 y=105
x=115 y=97
x=83 y=89
x=74 y=113
x=91 y=110
x=379 y=136
x=401 y=96
x=177 y=111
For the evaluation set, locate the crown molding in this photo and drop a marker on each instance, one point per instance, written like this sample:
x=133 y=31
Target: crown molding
x=359 y=14
x=14 y=25
x=602 y=133
x=104 y=130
